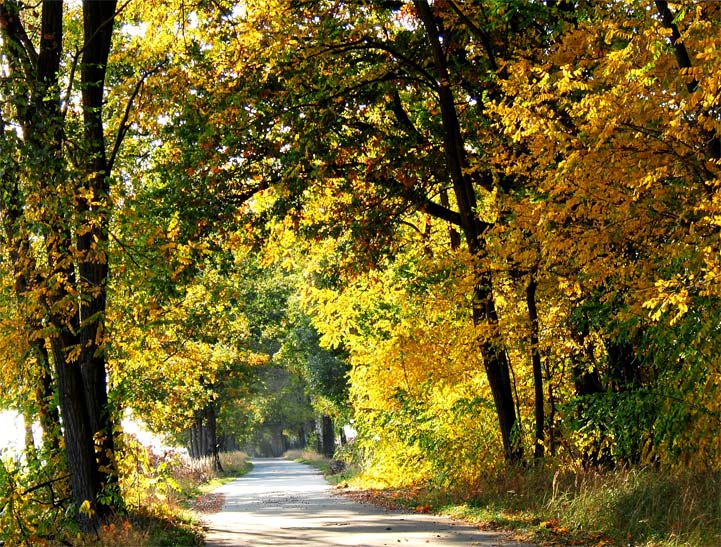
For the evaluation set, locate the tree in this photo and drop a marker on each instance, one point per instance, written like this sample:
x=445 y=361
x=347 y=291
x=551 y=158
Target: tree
x=57 y=207
x=621 y=149
x=355 y=141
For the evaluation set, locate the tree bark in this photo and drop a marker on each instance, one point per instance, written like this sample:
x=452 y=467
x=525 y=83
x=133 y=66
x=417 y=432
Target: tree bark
x=203 y=436
x=92 y=237
x=213 y=437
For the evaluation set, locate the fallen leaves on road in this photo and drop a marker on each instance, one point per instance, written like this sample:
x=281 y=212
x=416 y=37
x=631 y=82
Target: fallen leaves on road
x=550 y=532
x=209 y=503
x=388 y=499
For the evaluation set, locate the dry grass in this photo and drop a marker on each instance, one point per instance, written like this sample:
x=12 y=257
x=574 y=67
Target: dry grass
x=234 y=463
x=641 y=507
x=172 y=483
x=306 y=454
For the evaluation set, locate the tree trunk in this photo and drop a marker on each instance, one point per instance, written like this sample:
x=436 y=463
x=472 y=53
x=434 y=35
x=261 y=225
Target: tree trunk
x=203 y=436
x=495 y=357
x=86 y=478
x=198 y=436
x=328 y=436
x=343 y=438
x=213 y=437
x=92 y=235
x=453 y=235
x=302 y=438
x=537 y=366
x=75 y=287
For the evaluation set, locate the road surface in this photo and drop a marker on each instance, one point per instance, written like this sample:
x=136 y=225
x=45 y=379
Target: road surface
x=286 y=504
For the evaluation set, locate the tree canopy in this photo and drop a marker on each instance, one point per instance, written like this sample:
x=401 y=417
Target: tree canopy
x=484 y=233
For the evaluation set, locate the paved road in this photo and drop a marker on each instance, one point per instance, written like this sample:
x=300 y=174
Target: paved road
x=287 y=504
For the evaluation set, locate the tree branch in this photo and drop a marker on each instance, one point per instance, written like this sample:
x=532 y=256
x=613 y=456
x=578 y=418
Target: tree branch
x=478 y=32
x=124 y=125
x=11 y=26
x=682 y=57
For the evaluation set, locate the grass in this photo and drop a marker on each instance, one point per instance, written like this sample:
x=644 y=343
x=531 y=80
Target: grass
x=327 y=466
x=628 y=507
x=648 y=507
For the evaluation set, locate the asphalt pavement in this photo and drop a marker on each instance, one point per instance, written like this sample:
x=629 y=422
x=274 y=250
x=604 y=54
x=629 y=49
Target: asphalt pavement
x=287 y=504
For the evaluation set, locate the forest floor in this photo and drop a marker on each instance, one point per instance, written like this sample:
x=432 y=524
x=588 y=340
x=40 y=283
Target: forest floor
x=284 y=503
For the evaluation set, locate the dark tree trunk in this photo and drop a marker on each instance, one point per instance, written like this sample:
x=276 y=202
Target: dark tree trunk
x=537 y=367
x=328 y=436
x=343 y=439
x=495 y=357
x=302 y=438
x=193 y=448
x=551 y=415
x=86 y=478
x=453 y=235
x=213 y=437
x=92 y=237
x=203 y=436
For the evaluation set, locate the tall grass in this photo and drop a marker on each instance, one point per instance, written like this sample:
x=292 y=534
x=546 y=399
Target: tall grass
x=642 y=506
x=635 y=506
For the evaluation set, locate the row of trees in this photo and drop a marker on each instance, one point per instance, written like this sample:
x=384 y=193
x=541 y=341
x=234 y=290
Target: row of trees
x=497 y=220
x=548 y=167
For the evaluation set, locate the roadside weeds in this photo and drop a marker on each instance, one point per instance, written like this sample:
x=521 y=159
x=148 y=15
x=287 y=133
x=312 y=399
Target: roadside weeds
x=635 y=507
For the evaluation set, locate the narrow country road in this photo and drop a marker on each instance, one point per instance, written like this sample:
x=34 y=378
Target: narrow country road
x=287 y=504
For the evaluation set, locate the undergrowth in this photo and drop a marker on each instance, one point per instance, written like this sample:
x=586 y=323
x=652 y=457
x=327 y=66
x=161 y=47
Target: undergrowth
x=159 y=491
x=625 y=507
x=162 y=514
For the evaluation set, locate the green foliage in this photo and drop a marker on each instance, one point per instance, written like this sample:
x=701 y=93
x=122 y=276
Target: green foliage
x=34 y=501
